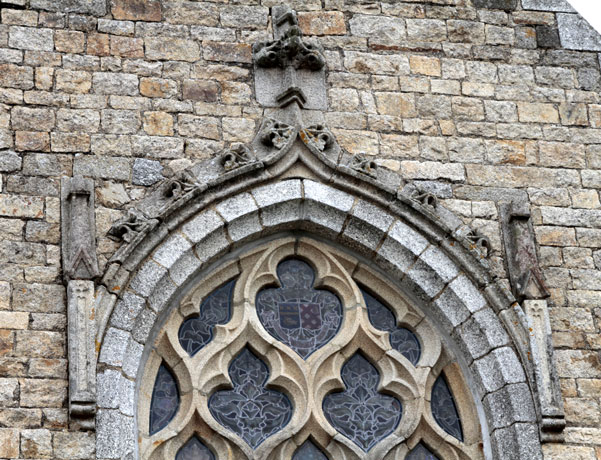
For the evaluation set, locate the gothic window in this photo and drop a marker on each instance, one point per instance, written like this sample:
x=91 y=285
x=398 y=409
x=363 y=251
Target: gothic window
x=296 y=351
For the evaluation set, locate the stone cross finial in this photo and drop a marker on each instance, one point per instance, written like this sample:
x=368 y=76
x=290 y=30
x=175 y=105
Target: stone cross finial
x=289 y=69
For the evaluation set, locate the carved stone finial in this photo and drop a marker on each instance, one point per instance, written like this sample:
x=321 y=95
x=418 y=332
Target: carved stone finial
x=275 y=133
x=363 y=164
x=425 y=198
x=289 y=69
x=479 y=242
x=127 y=228
x=179 y=184
x=78 y=228
x=237 y=156
x=319 y=136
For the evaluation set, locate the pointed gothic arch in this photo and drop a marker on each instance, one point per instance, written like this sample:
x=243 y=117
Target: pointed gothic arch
x=299 y=182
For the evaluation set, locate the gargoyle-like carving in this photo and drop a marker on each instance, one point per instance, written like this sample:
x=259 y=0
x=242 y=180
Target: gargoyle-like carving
x=522 y=262
x=127 y=228
x=363 y=164
x=319 y=136
x=290 y=50
x=275 y=134
x=237 y=156
x=479 y=242
x=78 y=228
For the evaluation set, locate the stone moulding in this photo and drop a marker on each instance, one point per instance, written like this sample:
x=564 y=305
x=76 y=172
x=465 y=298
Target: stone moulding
x=298 y=185
x=82 y=353
x=78 y=228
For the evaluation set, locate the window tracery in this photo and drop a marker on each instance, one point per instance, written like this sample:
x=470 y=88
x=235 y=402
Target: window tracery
x=292 y=349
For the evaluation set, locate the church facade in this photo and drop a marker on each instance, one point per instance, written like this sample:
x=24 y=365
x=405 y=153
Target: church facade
x=336 y=229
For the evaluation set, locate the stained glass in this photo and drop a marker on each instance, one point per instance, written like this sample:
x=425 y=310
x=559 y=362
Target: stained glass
x=249 y=409
x=401 y=339
x=361 y=413
x=297 y=314
x=444 y=409
x=421 y=452
x=165 y=400
x=309 y=451
x=194 y=449
x=196 y=332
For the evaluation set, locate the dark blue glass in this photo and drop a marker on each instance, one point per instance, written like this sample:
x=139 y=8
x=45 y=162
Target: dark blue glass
x=249 y=409
x=309 y=451
x=359 y=412
x=194 y=449
x=421 y=452
x=297 y=314
x=444 y=409
x=401 y=339
x=216 y=308
x=165 y=400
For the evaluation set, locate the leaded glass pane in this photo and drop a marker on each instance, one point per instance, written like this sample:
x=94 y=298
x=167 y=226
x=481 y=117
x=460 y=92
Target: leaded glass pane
x=302 y=317
x=421 y=452
x=444 y=409
x=309 y=451
x=249 y=409
x=194 y=449
x=165 y=400
x=216 y=308
x=401 y=339
x=359 y=412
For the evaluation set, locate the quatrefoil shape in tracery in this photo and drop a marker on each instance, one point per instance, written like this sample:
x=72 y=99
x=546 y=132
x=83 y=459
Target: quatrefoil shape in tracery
x=297 y=314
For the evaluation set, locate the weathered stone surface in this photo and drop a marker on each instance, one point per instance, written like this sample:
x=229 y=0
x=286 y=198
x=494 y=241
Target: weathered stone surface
x=177 y=49
x=136 y=10
x=576 y=33
x=548 y=5
x=14 y=76
x=27 y=38
x=508 y=5
x=146 y=172
x=117 y=168
x=114 y=83
x=74 y=446
x=322 y=23
x=94 y=7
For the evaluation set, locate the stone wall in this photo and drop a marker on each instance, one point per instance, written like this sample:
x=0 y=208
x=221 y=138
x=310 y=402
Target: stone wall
x=480 y=104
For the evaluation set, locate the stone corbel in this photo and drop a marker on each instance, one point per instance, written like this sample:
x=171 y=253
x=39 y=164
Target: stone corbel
x=529 y=288
x=82 y=353
x=78 y=229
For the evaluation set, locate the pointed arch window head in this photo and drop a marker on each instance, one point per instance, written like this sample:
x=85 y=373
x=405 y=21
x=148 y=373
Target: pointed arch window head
x=421 y=452
x=194 y=449
x=309 y=451
x=165 y=400
x=296 y=355
x=444 y=408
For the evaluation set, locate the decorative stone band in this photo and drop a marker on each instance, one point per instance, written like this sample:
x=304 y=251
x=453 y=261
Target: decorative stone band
x=488 y=328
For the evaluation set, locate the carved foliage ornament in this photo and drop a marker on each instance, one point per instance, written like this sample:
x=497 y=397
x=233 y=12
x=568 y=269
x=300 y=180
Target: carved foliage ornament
x=311 y=374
